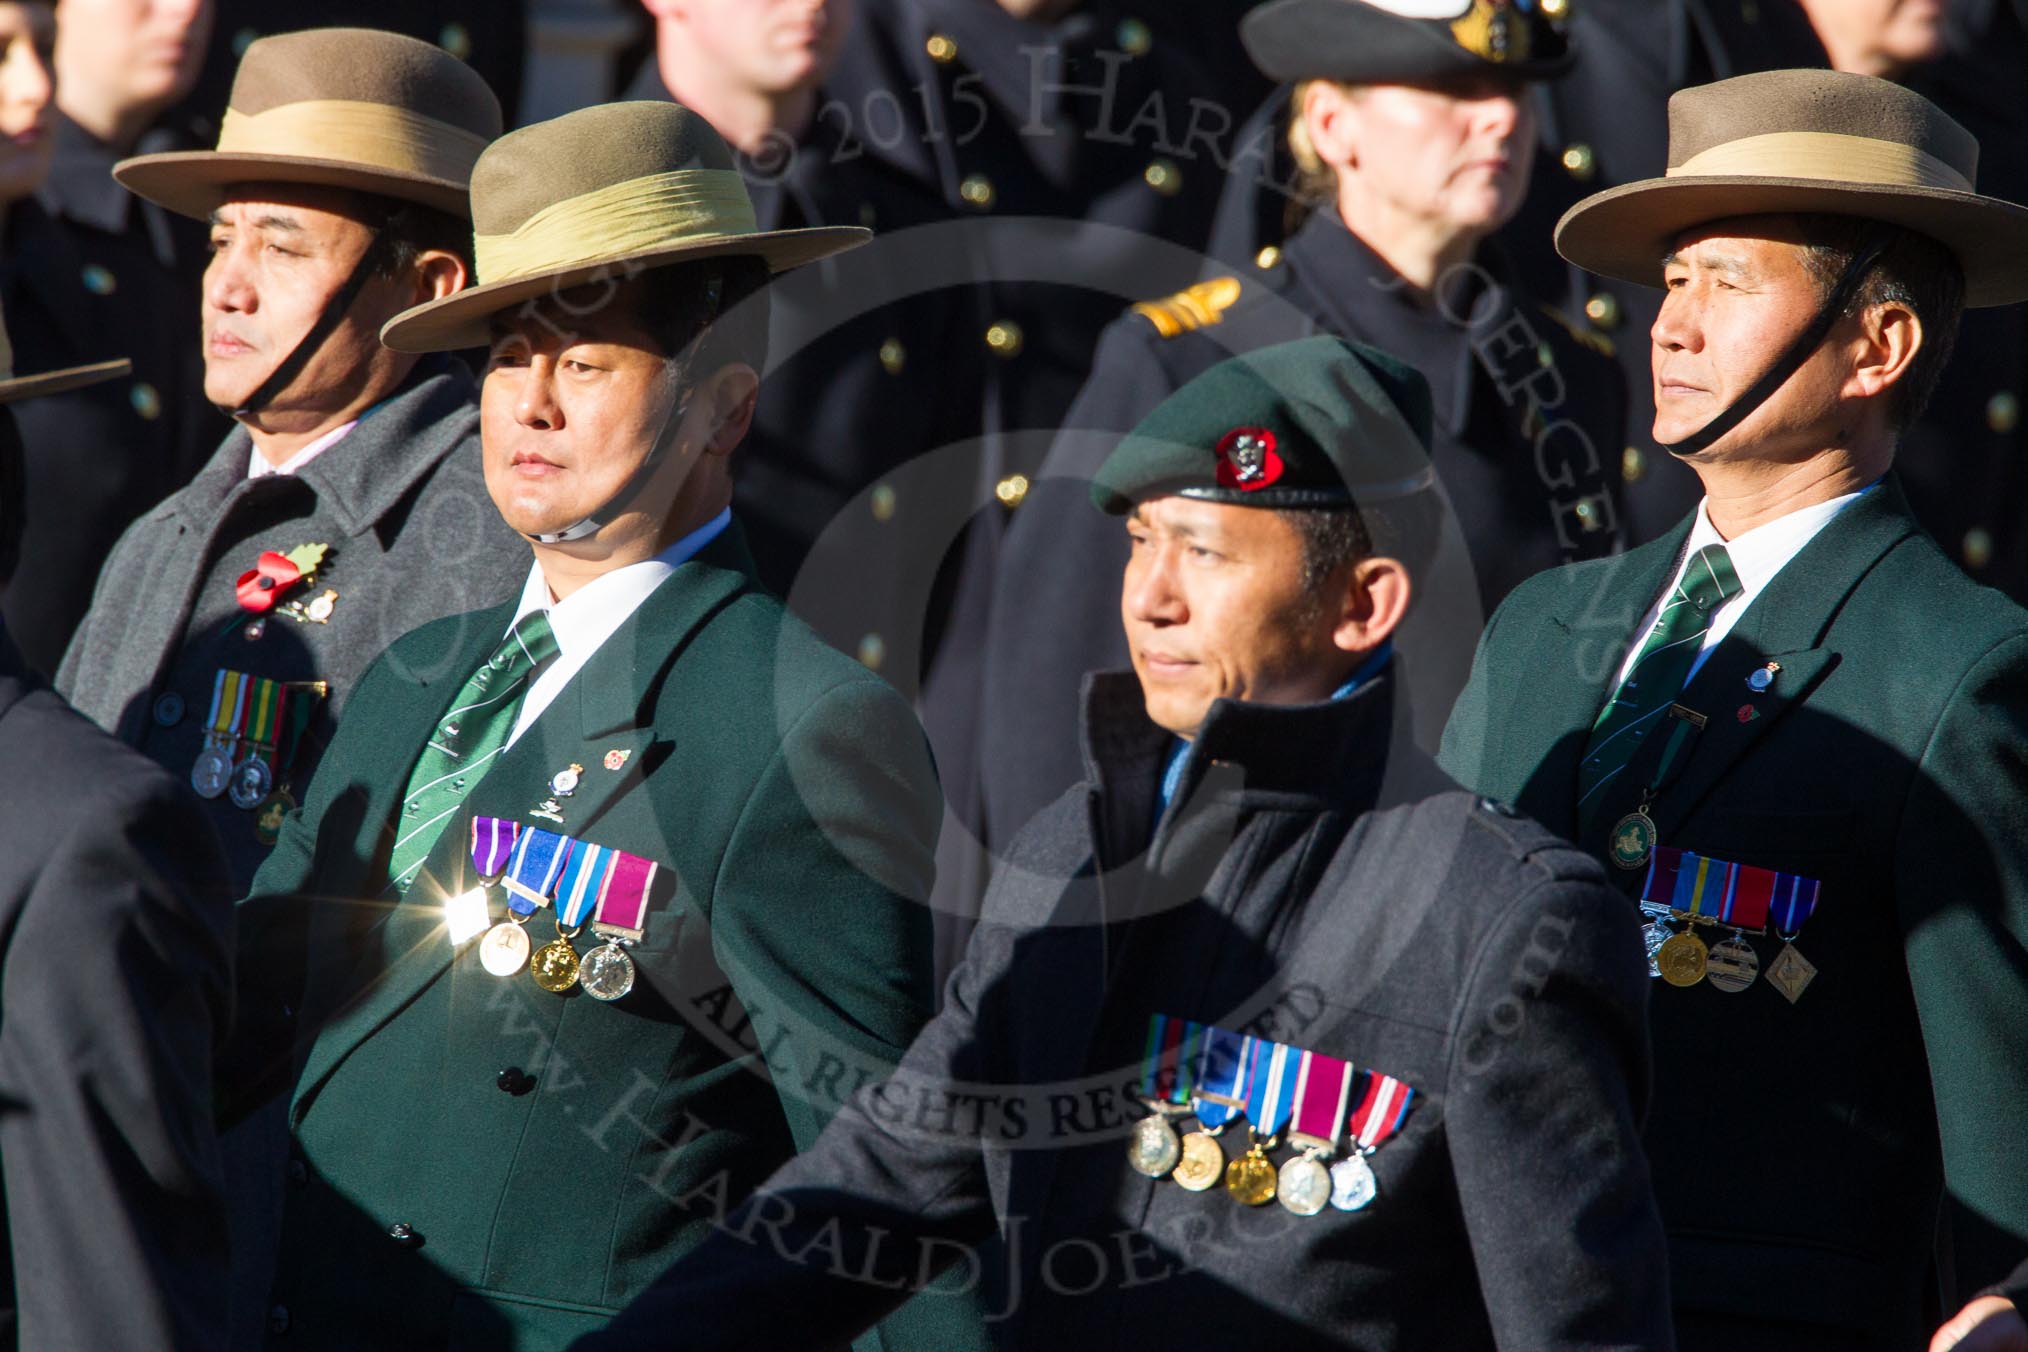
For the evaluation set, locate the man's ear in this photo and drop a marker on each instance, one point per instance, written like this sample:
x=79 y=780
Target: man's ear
x=1891 y=337
x=439 y=273
x=730 y=394
x=1374 y=600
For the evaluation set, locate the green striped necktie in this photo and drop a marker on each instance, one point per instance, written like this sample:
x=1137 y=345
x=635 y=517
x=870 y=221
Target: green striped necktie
x=464 y=743
x=1657 y=676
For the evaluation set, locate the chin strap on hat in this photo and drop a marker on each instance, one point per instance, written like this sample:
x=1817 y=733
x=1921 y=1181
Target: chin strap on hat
x=333 y=314
x=1792 y=357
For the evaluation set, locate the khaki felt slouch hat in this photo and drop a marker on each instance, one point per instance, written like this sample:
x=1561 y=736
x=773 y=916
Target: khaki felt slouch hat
x=600 y=194
x=1807 y=141
x=336 y=107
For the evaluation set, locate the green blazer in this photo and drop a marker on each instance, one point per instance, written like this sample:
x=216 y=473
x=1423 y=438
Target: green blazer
x=1800 y=1151
x=481 y=1163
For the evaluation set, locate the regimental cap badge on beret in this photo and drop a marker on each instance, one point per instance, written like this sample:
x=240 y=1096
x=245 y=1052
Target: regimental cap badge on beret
x=1318 y=423
x=1247 y=460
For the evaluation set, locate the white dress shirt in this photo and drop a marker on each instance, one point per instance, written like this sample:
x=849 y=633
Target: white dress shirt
x=259 y=468
x=585 y=619
x=1756 y=557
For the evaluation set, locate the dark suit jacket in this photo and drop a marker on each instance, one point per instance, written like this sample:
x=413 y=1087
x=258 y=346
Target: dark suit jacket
x=550 y=1155
x=1316 y=886
x=1886 y=760
x=117 y=985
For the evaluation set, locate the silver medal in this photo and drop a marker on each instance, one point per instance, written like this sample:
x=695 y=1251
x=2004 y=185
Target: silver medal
x=1154 y=1148
x=606 y=973
x=1304 y=1185
x=1732 y=965
x=251 y=783
x=211 y=772
x=504 y=950
x=1352 y=1183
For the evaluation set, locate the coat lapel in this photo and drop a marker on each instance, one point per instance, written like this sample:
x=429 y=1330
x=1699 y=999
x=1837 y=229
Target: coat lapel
x=1785 y=624
x=607 y=706
x=1572 y=666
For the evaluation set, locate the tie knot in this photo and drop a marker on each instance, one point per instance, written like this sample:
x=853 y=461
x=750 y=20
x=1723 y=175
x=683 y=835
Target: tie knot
x=1709 y=580
x=529 y=644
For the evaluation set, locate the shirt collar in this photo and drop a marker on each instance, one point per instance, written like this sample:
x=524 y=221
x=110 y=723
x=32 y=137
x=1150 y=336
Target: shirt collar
x=258 y=466
x=588 y=616
x=1757 y=555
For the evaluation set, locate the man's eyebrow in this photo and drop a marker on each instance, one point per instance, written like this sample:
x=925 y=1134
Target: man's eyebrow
x=274 y=222
x=1729 y=264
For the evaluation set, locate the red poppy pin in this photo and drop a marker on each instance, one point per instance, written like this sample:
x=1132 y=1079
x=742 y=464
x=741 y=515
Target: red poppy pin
x=1747 y=713
x=1247 y=459
x=266 y=582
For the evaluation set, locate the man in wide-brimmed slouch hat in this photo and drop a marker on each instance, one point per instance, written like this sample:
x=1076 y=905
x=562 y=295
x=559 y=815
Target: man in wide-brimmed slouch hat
x=231 y=623
x=604 y=898
x=1794 y=729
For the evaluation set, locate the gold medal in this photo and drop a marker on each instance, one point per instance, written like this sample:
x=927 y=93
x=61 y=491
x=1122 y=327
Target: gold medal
x=1153 y=1149
x=1203 y=1162
x=1732 y=965
x=1250 y=1178
x=1791 y=973
x=555 y=965
x=1682 y=959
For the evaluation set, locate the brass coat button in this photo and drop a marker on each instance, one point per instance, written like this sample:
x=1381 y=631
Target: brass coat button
x=1633 y=465
x=2003 y=412
x=1603 y=310
x=977 y=191
x=1012 y=491
x=1134 y=37
x=872 y=652
x=1579 y=162
x=1267 y=258
x=893 y=356
x=942 y=50
x=1164 y=177
x=1978 y=550
x=1005 y=338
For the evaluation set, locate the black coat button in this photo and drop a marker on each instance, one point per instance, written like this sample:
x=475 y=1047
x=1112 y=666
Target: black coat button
x=168 y=709
x=513 y=1081
x=404 y=1234
x=299 y=1173
x=278 y=1320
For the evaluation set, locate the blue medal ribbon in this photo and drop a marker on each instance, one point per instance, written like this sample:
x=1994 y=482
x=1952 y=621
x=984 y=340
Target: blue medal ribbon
x=539 y=856
x=583 y=879
x=1271 y=1087
x=1222 y=1075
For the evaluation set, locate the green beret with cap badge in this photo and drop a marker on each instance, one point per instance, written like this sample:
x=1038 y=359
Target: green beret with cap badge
x=1316 y=423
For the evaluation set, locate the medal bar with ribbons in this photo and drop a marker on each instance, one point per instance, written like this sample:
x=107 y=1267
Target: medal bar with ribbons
x=1168 y=1067
x=1270 y=1099
x=1693 y=889
x=621 y=919
x=1323 y=1098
